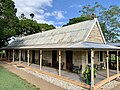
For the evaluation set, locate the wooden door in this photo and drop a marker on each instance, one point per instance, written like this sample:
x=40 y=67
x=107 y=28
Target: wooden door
x=26 y=56
x=54 y=58
x=89 y=57
x=69 y=56
x=33 y=56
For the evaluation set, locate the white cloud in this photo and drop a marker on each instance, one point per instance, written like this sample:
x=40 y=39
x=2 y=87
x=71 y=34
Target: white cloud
x=57 y=14
x=75 y=6
x=38 y=7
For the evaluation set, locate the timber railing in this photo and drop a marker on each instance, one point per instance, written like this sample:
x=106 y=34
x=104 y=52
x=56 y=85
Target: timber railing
x=99 y=84
x=81 y=84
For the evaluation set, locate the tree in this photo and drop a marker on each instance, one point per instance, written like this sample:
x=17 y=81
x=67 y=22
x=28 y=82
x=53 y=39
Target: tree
x=27 y=27
x=78 y=19
x=10 y=25
x=22 y=16
x=109 y=19
x=45 y=27
x=8 y=21
x=32 y=16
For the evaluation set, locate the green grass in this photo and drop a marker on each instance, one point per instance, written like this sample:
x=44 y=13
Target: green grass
x=10 y=81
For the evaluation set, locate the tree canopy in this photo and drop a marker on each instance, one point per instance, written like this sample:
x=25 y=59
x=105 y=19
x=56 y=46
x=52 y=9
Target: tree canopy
x=10 y=25
x=78 y=19
x=27 y=27
x=45 y=27
x=32 y=15
x=8 y=21
x=109 y=19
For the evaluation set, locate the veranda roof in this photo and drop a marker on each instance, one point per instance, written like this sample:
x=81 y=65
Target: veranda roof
x=115 y=44
x=79 y=45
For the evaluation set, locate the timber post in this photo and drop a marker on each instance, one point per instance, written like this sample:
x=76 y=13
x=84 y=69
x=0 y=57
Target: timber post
x=8 y=55
x=92 y=70
x=40 y=59
x=19 y=56
x=28 y=57
x=59 y=62
x=107 y=64
x=13 y=55
x=117 y=62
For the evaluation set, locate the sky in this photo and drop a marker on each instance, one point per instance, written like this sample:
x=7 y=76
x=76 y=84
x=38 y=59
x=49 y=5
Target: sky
x=56 y=12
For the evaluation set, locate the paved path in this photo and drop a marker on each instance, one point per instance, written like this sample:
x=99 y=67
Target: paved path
x=116 y=88
x=40 y=83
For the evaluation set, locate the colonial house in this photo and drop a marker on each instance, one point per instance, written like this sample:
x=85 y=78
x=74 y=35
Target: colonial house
x=77 y=45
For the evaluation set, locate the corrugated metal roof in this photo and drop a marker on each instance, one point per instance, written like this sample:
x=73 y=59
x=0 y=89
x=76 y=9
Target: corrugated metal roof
x=79 y=45
x=115 y=44
x=68 y=34
x=94 y=46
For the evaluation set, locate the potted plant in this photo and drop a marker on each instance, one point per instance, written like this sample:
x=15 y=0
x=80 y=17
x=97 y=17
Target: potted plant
x=87 y=74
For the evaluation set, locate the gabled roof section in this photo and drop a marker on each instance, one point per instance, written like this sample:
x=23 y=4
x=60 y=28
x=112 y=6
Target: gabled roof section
x=69 y=34
x=95 y=34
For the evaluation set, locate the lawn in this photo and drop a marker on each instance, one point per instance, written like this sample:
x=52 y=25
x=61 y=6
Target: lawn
x=10 y=81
